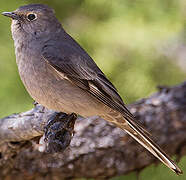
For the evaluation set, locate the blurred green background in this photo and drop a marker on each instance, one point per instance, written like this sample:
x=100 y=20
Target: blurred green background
x=139 y=44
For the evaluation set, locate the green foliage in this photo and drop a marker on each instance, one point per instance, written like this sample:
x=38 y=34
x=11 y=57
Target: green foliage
x=124 y=37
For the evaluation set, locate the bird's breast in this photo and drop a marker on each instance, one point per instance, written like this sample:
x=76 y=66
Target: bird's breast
x=35 y=74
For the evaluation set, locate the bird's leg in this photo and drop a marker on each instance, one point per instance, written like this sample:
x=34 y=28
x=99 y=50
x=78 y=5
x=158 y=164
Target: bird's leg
x=59 y=131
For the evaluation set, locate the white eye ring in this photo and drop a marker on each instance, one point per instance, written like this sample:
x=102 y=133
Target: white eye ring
x=31 y=16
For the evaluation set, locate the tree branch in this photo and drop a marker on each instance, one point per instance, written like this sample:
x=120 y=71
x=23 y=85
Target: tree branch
x=98 y=149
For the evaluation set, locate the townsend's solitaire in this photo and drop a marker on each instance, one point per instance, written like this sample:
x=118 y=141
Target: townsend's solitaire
x=59 y=74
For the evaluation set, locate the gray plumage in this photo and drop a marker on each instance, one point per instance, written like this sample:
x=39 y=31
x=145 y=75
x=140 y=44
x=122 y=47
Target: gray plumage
x=61 y=76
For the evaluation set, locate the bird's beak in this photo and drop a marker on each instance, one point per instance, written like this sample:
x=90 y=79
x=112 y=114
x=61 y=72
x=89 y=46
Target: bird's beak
x=11 y=15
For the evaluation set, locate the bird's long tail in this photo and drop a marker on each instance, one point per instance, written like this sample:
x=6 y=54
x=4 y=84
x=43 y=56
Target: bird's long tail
x=141 y=135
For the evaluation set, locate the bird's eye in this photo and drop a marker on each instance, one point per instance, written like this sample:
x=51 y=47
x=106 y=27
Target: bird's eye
x=31 y=17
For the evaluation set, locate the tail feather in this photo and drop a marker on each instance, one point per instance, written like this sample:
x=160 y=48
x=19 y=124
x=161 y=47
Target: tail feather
x=141 y=136
x=145 y=141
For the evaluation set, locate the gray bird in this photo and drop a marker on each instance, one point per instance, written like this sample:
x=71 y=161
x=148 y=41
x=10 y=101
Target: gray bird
x=59 y=74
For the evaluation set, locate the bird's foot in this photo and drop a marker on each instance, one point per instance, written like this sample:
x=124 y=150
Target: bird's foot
x=59 y=131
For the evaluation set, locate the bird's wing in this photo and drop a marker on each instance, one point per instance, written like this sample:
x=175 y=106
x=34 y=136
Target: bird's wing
x=81 y=70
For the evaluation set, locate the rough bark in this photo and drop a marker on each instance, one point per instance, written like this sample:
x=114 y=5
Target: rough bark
x=98 y=149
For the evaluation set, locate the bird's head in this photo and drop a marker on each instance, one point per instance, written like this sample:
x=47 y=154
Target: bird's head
x=34 y=19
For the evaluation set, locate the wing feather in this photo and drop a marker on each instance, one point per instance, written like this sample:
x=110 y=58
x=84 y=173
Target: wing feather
x=86 y=75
